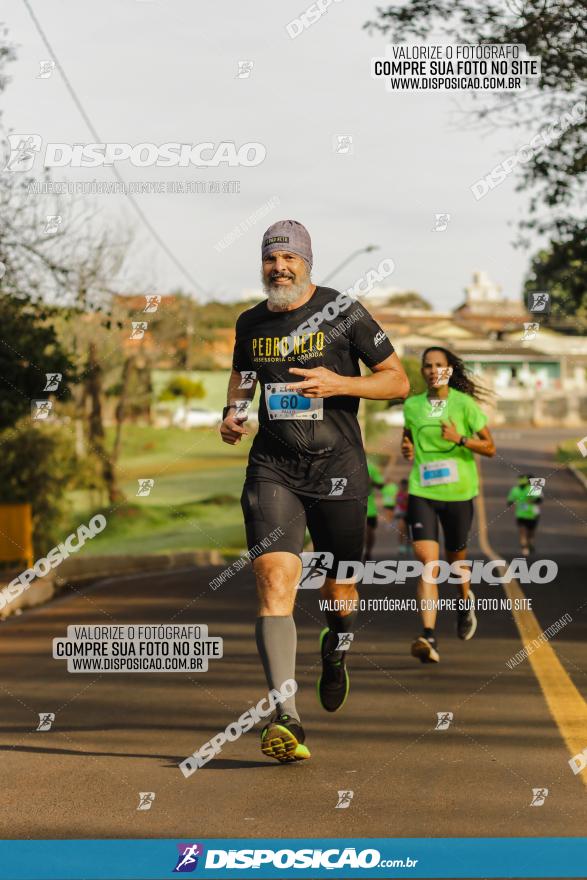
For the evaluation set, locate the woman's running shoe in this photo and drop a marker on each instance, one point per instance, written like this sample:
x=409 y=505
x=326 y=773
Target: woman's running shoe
x=467 y=621
x=425 y=650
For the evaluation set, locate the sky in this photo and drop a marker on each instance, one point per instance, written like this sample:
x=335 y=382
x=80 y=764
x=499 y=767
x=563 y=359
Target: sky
x=162 y=71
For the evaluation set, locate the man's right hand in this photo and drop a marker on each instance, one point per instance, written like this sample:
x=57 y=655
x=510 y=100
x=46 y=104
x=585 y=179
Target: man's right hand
x=232 y=430
x=407 y=448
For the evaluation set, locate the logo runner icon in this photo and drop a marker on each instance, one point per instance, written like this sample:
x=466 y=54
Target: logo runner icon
x=248 y=379
x=241 y=409
x=437 y=407
x=338 y=485
x=344 y=641
x=444 y=374
x=52 y=381
x=153 y=301
x=146 y=799
x=530 y=331
x=343 y=144
x=536 y=487
x=441 y=222
x=187 y=860
x=41 y=410
x=23 y=151
x=138 y=329
x=46 y=719
x=314 y=568
x=444 y=719
x=344 y=800
x=539 y=303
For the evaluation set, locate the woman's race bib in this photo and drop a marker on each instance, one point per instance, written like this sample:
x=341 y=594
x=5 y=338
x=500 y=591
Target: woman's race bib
x=436 y=473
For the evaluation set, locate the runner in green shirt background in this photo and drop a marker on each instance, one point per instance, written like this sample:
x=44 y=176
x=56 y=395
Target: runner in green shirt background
x=388 y=496
x=376 y=481
x=389 y=492
x=444 y=429
x=526 y=499
x=399 y=518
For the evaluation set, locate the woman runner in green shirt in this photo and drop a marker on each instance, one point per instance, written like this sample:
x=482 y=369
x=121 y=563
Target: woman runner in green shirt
x=444 y=428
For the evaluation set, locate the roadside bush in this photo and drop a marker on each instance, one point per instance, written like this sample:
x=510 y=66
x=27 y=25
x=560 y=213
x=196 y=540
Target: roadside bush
x=38 y=465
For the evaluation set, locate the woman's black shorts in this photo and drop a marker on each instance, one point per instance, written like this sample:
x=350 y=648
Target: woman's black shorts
x=425 y=514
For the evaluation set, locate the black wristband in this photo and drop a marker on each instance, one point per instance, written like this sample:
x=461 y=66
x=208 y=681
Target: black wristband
x=227 y=409
x=463 y=440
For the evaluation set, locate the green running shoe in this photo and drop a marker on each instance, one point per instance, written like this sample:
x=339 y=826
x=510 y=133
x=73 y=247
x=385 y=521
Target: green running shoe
x=283 y=739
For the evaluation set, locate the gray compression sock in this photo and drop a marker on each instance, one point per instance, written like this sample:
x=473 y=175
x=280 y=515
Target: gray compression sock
x=337 y=625
x=277 y=643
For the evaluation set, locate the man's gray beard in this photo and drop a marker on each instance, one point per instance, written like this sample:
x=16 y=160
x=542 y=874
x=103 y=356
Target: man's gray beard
x=282 y=297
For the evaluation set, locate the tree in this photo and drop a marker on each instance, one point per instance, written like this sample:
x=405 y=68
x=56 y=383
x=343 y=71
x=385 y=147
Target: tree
x=185 y=330
x=554 y=32
x=554 y=175
x=29 y=350
x=182 y=387
x=96 y=433
x=77 y=266
x=561 y=269
x=37 y=466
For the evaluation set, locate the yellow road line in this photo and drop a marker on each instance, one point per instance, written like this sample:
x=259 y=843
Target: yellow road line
x=566 y=705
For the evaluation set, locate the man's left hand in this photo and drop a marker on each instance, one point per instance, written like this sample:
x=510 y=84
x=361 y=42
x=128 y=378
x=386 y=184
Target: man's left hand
x=318 y=382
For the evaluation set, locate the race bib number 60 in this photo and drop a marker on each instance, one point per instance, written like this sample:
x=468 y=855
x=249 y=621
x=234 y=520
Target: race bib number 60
x=284 y=404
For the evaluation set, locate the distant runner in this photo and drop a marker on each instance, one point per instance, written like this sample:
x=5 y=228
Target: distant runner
x=307 y=465
x=376 y=482
x=444 y=428
x=400 y=517
x=389 y=498
x=526 y=500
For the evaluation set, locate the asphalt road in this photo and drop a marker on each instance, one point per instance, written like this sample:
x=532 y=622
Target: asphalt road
x=116 y=735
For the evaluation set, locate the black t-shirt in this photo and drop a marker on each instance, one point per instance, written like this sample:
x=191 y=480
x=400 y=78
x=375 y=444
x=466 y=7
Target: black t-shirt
x=317 y=449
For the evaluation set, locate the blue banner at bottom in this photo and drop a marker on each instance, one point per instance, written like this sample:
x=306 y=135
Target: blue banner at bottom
x=527 y=857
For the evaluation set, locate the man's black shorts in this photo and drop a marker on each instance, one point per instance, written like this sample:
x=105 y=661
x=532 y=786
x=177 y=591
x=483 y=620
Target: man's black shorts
x=425 y=514
x=336 y=527
x=529 y=524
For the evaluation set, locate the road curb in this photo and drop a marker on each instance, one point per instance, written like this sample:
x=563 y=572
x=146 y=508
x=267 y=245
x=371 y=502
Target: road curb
x=578 y=474
x=74 y=572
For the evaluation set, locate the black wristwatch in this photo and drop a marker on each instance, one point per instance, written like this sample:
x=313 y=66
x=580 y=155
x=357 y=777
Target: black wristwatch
x=227 y=409
x=463 y=440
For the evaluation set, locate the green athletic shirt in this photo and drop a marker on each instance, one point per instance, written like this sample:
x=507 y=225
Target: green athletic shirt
x=525 y=505
x=389 y=493
x=442 y=470
x=375 y=480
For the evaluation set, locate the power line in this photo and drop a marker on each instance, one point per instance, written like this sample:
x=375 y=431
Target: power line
x=98 y=140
